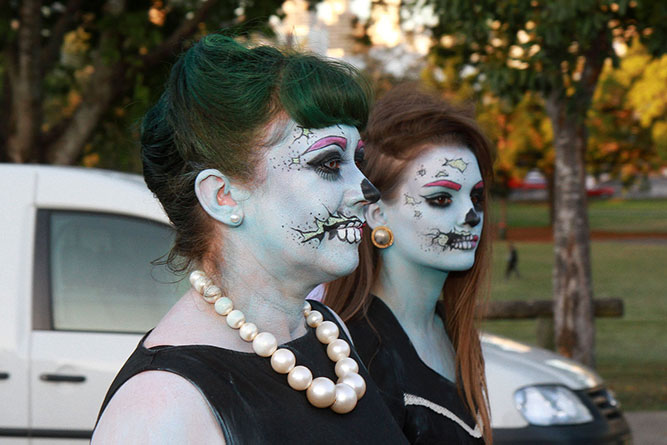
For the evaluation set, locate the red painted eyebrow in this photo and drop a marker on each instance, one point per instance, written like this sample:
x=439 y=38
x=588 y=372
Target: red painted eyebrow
x=479 y=185
x=360 y=145
x=444 y=183
x=329 y=140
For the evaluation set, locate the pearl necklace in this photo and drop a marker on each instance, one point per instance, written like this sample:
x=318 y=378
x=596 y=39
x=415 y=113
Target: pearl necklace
x=321 y=392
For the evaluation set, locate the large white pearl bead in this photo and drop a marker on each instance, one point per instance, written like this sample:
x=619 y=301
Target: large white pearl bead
x=201 y=282
x=223 y=306
x=212 y=293
x=264 y=344
x=338 y=349
x=314 y=319
x=248 y=331
x=306 y=308
x=283 y=361
x=321 y=393
x=196 y=275
x=327 y=332
x=356 y=381
x=346 y=399
x=299 y=378
x=345 y=366
x=235 y=319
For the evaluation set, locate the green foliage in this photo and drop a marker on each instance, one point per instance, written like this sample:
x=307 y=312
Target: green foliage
x=543 y=46
x=128 y=36
x=627 y=121
x=627 y=116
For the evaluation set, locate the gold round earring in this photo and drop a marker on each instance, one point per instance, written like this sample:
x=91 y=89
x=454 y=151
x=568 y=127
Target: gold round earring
x=382 y=237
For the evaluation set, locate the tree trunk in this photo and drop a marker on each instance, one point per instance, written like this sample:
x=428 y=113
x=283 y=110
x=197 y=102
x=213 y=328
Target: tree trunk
x=551 y=196
x=573 y=307
x=68 y=148
x=26 y=86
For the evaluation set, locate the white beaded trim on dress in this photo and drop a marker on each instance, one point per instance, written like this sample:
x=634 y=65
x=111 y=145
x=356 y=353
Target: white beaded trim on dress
x=411 y=399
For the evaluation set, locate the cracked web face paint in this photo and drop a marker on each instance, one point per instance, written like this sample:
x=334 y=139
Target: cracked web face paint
x=307 y=212
x=437 y=215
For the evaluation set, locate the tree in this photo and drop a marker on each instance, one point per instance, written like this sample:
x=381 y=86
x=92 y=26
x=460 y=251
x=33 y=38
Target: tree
x=626 y=117
x=68 y=66
x=556 y=49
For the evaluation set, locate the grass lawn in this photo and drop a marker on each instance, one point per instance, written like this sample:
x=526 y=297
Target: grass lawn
x=631 y=351
x=614 y=215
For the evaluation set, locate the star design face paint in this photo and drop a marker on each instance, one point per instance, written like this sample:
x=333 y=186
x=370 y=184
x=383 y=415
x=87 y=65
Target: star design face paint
x=458 y=164
x=411 y=200
x=437 y=219
x=305 y=132
x=307 y=212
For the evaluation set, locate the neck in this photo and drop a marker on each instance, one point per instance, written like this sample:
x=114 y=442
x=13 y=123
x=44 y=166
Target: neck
x=273 y=301
x=410 y=290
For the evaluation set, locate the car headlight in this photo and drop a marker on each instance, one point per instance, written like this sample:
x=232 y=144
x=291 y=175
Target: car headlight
x=551 y=405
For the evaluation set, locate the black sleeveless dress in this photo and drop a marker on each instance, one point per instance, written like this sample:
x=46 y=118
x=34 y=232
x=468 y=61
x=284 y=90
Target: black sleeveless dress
x=254 y=404
x=425 y=404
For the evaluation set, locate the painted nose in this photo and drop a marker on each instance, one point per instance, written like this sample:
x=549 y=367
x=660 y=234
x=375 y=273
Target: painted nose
x=371 y=194
x=472 y=218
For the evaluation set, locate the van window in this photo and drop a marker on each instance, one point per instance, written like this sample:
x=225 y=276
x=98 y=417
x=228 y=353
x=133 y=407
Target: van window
x=101 y=276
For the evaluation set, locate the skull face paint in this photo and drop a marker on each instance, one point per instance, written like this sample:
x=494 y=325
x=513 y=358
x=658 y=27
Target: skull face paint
x=437 y=216
x=453 y=240
x=346 y=228
x=307 y=212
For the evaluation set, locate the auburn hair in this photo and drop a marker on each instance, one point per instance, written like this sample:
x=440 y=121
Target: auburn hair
x=404 y=124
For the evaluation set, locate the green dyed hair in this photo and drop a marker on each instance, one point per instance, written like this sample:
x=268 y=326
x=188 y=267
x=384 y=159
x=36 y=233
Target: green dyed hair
x=215 y=112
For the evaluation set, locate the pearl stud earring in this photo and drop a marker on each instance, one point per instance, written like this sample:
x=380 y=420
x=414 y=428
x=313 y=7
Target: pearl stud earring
x=235 y=218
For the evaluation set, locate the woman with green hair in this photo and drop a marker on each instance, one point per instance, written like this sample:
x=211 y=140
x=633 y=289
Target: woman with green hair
x=253 y=154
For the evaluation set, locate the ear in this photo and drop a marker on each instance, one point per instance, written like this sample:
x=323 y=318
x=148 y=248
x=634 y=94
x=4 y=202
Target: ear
x=214 y=192
x=374 y=215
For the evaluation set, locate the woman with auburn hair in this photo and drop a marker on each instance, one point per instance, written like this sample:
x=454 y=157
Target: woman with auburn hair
x=253 y=154
x=410 y=305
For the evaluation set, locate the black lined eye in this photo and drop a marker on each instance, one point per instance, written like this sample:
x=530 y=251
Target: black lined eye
x=328 y=165
x=438 y=200
x=332 y=164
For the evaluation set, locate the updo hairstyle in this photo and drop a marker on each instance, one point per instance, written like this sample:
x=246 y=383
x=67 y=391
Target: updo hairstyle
x=216 y=110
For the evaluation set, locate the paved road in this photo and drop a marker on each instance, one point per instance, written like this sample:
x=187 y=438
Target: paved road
x=648 y=427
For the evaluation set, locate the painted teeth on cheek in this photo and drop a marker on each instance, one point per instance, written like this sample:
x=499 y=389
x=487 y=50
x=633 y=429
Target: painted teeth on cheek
x=357 y=235
x=341 y=233
x=350 y=234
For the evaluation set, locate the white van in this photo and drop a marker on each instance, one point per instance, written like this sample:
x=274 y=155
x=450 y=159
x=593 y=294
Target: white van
x=78 y=289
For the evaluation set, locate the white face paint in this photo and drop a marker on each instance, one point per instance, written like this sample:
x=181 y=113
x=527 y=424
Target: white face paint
x=307 y=213
x=437 y=216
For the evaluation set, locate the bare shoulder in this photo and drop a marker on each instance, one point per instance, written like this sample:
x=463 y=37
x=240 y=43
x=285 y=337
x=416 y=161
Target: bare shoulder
x=157 y=407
